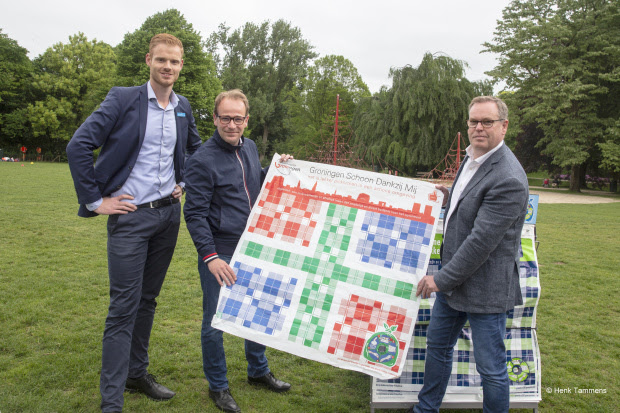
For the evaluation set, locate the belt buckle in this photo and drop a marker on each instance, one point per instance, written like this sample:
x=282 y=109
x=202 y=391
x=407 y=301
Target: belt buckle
x=151 y=205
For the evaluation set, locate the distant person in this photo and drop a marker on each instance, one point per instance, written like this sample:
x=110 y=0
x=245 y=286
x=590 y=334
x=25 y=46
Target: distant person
x=546 y=183
x=144 y=132
x=480 y=254
x=23 y=150
x=38 y=153
x=223 y=181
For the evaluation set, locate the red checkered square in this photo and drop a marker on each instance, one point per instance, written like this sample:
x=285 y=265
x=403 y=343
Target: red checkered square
x=288 y=225
x=361 y=317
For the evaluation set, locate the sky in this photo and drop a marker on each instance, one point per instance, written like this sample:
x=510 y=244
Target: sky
x=374 y=35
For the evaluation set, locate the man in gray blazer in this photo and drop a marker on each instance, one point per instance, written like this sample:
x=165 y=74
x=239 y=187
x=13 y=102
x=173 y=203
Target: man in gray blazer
x=479 y=278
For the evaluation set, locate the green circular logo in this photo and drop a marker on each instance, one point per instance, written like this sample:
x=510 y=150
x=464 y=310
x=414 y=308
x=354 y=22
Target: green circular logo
x=518 y=370
x=382 y=347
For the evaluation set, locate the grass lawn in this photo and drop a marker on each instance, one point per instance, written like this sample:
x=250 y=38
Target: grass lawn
x=53 y=302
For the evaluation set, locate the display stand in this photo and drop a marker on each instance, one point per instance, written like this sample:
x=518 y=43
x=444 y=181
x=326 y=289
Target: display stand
x=464 y=388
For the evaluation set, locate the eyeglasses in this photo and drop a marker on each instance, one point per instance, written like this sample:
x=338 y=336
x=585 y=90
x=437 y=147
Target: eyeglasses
x=237 y=119
x=472 y=123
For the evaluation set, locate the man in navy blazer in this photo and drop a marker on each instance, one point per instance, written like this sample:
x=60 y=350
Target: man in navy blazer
x=145 y=134
x=479 y=278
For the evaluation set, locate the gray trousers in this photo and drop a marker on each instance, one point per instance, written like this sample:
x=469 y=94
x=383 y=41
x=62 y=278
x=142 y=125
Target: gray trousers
x=140 y=248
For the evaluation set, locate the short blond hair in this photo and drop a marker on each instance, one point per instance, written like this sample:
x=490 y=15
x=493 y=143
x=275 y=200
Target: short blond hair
x=234 y=94
x=502 y=109
x=165 y=38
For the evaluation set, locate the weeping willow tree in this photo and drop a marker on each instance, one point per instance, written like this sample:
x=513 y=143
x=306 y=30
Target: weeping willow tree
x=412 y=124
x=370 y=124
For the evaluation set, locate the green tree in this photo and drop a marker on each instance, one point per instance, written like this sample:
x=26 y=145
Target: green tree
x=15 y=93
x=370 y=123
x=562 y=58
x=70 y=80
x=611 y=154
x=420 y=115
x=198 y=80
x=312 y=103
x=265 y=61
x=527 y=152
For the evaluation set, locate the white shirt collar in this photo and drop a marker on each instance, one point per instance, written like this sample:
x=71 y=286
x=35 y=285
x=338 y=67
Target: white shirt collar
x=480 y=160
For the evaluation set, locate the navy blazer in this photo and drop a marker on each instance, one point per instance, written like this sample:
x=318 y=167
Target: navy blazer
x=480 y=253
x=118 y=128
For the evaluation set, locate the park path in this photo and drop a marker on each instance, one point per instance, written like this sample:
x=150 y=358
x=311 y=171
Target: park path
x=561 y=196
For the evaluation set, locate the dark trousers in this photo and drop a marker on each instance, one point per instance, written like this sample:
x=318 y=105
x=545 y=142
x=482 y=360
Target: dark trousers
x=488 y=332
x=140 y=248
x=212 y=339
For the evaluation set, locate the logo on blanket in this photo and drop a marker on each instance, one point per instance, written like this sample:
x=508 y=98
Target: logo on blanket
x=287 y=168
x=382 y=347
x=283 y=169
x=530 y=211
x=518 y=370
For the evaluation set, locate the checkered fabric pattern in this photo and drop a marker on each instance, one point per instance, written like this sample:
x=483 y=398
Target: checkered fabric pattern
x=390 y=241
x=522 y=352
x=358 y=316
x=522 y=316
x=522 y=356
x=327 y=268
x=258 y=299
x=287 y=217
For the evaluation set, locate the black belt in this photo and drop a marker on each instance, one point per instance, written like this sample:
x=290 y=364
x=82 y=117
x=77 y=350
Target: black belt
x=169 y=200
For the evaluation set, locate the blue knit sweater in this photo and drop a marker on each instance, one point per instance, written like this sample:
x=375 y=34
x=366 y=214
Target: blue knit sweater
x=222 y=183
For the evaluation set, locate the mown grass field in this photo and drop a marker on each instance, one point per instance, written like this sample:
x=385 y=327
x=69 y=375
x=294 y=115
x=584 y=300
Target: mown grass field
x=53 y=302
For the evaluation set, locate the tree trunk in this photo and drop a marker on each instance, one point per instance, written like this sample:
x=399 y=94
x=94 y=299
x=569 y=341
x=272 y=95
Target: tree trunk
x=263 y=148
x=582 y=176
x=574 y=178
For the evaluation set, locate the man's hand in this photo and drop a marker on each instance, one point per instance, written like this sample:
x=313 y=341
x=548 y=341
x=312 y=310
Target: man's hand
x=115 y=205
x=285 y=157
x=222 y=272
x=178 y=191
x=445 y=192
x=426 y=286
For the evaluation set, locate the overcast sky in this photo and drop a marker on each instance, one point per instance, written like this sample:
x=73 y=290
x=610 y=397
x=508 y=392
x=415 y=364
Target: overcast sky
x=374 y=35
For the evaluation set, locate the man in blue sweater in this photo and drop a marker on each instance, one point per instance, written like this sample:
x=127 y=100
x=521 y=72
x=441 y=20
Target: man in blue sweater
x=223 y=180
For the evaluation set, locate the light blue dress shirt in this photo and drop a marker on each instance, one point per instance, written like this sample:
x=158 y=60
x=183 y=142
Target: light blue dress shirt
x=152 y=176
